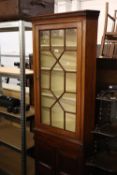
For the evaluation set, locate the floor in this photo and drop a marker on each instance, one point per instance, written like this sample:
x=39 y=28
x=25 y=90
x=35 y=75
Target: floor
x=3 y=173
x=10 y=162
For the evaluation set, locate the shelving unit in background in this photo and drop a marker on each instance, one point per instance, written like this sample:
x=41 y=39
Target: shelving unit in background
x=14 y=132
x=103 y=158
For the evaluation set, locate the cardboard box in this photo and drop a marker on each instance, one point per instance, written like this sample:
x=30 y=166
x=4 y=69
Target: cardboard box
x=24 y=9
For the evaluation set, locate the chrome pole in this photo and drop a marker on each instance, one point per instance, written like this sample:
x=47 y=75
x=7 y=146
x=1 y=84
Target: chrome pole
x=22 y=106
x=1 y=90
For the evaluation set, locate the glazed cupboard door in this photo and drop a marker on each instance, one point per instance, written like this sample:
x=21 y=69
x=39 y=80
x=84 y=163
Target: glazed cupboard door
x=58 y=86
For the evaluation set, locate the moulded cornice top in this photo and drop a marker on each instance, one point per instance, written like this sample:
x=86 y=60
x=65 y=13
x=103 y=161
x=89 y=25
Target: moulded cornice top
x=85 y=13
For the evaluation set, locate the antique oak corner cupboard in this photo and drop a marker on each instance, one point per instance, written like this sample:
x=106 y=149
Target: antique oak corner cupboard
x=65 y=68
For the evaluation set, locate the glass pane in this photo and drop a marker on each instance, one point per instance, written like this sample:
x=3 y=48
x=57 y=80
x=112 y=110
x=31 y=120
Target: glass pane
x=57 y=52
x=71 y=37
x=47 y=93
x=57 y=82
x=46 y=116
x=44 y=38
x=70 y=122
x=58 y=78
x=57 y=67
x=47 y=101
x=47 y=59
x=68 y=102
x=57 y=116
x=45 y=79
x=57 y=38
x=71 y=82
x=68 y=60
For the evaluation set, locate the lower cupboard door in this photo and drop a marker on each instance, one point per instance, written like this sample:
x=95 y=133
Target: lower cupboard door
x=44 y=169
x=68 y=165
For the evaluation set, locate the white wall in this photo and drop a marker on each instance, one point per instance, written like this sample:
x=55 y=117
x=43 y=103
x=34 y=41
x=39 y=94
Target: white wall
x=99 y=5
x=72 y=5
x=66 y=5
x=9 y=42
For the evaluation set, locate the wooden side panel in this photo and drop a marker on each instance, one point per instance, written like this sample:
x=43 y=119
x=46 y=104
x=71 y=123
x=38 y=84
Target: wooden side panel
x=88 y=78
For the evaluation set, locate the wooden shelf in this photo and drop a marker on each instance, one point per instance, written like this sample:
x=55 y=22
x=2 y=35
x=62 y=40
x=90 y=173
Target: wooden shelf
x=11 y=135
x=10 y=162
x=13 y=71
x=106 y=161
x=108 y=131
x=14 y=88
x=29 y=113
x=111 y=99
x=111 y=36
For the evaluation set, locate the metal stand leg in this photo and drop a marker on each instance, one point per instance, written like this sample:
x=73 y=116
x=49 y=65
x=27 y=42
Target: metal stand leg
x=1 y=91
x=22 y=80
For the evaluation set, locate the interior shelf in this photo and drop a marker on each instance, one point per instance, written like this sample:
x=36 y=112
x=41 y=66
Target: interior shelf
x=14 y=71
x=11 y=135
x=68 y=96
x=57 y=69
x=106 y=161
x=67 y=48
x=10 y=162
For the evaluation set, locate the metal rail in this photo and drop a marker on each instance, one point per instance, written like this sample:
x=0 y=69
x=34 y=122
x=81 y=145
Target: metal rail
x=22 y=82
